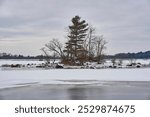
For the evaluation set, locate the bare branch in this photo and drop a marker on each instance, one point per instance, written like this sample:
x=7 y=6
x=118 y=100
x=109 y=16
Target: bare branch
x=46 y=54
x=55 y=46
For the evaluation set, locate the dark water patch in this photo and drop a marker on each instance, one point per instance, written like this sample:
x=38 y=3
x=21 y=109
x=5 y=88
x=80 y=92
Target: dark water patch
x=30 y=83
x=107 y=91
x=77 y=80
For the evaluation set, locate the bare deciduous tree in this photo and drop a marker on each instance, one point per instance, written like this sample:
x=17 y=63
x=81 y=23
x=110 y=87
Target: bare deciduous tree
x=89 y=43
x=95 y=46
x=100 y=46
x=47 y=58
x=55 y=46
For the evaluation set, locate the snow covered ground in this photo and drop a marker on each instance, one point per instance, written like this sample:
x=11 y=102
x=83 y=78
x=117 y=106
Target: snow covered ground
x=26 y=64
x=13 y=78
x=50 y=82
x=127 y=61
x=13 y=61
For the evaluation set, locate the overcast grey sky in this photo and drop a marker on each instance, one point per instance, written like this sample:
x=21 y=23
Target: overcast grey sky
x=26 y=25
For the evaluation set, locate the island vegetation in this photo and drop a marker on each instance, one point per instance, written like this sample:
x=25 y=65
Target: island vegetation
x=83 y=48
x=82 y=45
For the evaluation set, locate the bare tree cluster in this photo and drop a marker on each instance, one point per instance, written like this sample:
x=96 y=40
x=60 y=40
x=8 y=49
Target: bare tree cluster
x=82 y=45
x=95 y=46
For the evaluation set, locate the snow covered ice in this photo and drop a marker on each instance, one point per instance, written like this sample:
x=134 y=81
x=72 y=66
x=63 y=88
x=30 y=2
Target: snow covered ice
x=55 y=83
x=12 y=78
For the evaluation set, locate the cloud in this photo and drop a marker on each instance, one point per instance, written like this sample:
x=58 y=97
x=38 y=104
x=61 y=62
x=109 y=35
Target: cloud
x=122 y=22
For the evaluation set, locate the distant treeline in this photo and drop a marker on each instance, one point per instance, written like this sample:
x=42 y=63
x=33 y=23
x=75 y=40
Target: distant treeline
x=139 y=55
x=10 y=56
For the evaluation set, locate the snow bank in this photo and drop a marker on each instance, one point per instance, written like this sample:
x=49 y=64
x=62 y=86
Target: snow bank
x=24 y=62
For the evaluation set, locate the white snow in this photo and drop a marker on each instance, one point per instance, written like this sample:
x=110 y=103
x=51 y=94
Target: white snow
x=14 y=78
x=24 y=62
x=128 y=61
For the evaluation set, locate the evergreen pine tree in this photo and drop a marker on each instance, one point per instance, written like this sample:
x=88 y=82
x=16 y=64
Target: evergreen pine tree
x=74 y=47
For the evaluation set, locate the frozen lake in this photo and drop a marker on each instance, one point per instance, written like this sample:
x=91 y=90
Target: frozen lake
x=100 y=91
x=15 y=78
x=75 y=84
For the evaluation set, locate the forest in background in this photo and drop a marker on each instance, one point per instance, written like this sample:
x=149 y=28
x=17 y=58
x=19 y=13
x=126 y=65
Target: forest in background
x=138 y=55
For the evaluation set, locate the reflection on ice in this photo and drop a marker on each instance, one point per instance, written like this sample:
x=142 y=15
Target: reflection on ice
x=109 y=90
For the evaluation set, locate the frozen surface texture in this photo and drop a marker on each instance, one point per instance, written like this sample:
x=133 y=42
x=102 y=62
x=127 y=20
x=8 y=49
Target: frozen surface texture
x=75 y=84
x=13 y=78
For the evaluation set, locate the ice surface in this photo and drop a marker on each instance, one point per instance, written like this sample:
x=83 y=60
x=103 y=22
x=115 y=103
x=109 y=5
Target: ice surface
x=74 y=83
x=14 y=78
